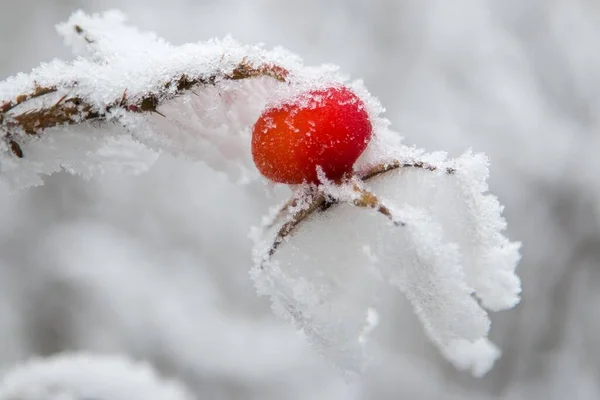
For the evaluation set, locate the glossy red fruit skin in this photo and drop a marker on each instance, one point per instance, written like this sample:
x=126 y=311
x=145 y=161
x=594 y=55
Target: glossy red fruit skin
x=328 y=127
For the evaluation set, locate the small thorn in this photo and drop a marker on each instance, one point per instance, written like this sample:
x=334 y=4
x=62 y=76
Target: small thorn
x=123 y=98
x=15 y=148
x=60 y=101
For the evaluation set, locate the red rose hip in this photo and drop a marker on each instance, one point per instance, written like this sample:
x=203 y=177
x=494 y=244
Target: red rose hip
x=327 y=128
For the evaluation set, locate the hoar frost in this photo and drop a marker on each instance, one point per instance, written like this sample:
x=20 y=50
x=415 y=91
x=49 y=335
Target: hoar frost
x=418 y=222
x=440 y=243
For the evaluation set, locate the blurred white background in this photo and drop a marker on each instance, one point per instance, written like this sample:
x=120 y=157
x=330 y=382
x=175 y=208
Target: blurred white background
x=156 y=267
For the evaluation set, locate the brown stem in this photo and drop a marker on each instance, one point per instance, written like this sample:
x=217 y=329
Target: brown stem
x=37 y=92
x=379 y=169
x=70 y=110
x=316 y=203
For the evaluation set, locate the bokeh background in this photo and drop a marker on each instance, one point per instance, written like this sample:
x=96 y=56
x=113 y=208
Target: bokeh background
x=156 y=266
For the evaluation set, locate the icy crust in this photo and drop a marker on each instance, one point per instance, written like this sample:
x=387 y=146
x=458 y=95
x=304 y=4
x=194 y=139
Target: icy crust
x=82 y=376
x=448 y=256
x=118 y=64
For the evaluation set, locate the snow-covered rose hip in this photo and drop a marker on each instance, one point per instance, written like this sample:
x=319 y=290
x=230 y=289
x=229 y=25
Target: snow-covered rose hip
x=327 y=128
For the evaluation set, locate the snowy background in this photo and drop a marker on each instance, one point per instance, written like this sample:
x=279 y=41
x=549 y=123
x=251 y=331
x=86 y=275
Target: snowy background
x=157 y=267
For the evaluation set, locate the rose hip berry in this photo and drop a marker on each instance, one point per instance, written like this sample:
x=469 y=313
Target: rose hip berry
x=327 y=128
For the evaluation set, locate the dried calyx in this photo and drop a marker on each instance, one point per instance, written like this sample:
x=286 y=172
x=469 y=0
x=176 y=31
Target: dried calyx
x=310 y=199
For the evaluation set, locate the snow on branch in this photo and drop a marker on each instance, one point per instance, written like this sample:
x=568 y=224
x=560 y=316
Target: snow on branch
x=82 y=376
x=405 y=219
x=74 y=109
x=195 y=100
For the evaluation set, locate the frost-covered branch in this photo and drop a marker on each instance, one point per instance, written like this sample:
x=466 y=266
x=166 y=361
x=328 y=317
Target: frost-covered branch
x=131 y=96
x=129 y=86
x=75 y=109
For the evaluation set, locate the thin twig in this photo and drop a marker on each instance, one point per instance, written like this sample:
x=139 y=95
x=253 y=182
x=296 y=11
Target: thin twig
x=291 y=225
x=395 y=164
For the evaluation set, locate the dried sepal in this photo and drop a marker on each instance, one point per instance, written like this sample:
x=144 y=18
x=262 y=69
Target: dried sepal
x=310 y=199
x=303 y=204
x=445 y=251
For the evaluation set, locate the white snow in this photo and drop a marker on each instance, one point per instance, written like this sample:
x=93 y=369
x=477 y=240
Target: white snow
x=82 y=376
x=210 y=123
x=450 y=246
x=159 y=261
